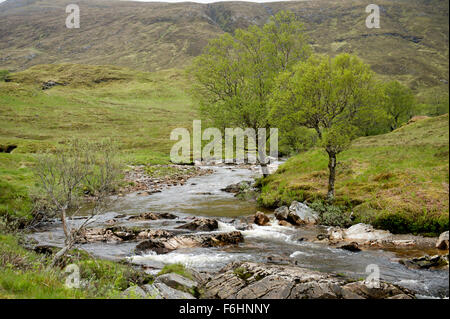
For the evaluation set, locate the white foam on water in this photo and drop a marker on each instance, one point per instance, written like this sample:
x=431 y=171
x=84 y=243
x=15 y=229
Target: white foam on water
x=299 y=253
x=192 y=259
x=271 y=233
x=224 y=227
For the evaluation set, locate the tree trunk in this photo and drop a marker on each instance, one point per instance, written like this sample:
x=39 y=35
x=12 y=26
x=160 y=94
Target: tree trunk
x=60 y=254
x=332 y=176
x=265 y=170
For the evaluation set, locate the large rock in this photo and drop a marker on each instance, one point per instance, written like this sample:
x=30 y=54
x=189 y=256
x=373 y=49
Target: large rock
x=167 y=292
x=177 y=281
x=201 y=224
x=153 y=216
x=237 y=188
x=282 y=213
x=300 y=213
x=261 y=281
x=165 y=245
x=426 y=262
x=353 y=247
x=442 y=242
x=152 y=292
x=364 y=232
x=119 y=234
x=261 y=219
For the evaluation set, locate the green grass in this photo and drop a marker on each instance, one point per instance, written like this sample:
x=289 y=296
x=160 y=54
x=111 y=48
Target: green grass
x=396 y=181
x=136 y=110
x=177 y=269
x=24 y=274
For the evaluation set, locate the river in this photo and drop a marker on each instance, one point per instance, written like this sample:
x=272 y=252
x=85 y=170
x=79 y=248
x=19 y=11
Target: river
x=202 y=196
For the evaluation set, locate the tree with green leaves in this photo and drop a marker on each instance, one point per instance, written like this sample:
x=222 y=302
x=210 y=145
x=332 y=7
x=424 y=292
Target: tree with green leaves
x=235 y=74
x=325 y=95
x=398 y=102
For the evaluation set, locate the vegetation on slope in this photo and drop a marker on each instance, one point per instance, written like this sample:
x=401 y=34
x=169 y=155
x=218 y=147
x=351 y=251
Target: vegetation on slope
x=136 y=110
x=396 y=181
x=411 y=45
x=25 y=274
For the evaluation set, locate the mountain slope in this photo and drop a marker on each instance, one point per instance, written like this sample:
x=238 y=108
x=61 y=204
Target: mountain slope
x=411 y=45
x=397 y=181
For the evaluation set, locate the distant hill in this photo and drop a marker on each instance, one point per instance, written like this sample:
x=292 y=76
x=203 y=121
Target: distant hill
x=411 y=45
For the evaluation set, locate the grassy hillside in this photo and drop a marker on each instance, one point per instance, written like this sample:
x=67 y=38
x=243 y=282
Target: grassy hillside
x=397 y=181
x=411 y=45
x=137 y=110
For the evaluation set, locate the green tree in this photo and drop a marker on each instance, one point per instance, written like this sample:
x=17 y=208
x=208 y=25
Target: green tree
x=235 y=74
x=326 y=95
x=398 y=103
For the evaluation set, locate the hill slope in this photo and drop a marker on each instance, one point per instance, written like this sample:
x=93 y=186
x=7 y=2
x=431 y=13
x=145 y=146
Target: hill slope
x=137 y=110
x=411 y=45
x=397 y=181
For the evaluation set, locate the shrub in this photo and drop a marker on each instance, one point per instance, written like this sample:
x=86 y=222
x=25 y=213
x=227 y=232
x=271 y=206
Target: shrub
x=331 y=215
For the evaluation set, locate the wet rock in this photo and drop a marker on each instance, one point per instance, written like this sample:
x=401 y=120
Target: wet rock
x=360 y=233
x=154 y=245
x=259 y=281
x=201 y=224
x=119 y=234
x=154 y=233
x=176 y=281
x=281 y=213
x=353 y=247
x=237 y=188
x=335 y=234
x=442 y=242
x=167 y=292
x=426 y=262
x=153 y=216
x=300 y=213
x=145 y=216
x=404 y=242
x=285 y=223
x=165 y=245
x=364 y=232
x=261 y=219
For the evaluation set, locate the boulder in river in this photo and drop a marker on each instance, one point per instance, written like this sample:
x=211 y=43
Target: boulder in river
x=257 y=281
x=442 y=242
x=201 y=224
x=426 y=262
x=165 y=245
x=300 y=213
x=281 y=213
x=153 y=216
x=237 y=188
x=296 y=214
x=261 y=219
x=353 y=247
x=360 y=233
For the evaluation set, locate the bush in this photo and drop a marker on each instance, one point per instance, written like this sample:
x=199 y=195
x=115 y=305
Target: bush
x=331 y=215
x=3 y=75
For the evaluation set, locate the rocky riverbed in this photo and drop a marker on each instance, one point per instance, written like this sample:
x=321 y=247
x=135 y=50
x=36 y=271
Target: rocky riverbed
x=200 y=224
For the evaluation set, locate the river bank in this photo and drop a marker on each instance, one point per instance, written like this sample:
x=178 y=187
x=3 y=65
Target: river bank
x=203 y=197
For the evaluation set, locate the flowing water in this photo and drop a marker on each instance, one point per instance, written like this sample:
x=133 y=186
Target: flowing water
x=202 y=196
